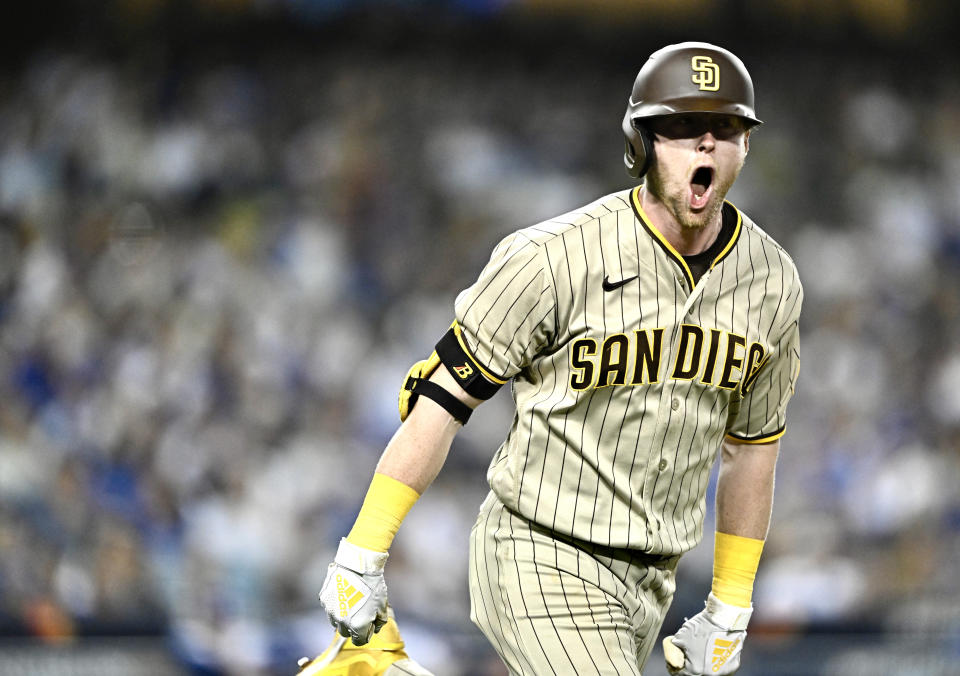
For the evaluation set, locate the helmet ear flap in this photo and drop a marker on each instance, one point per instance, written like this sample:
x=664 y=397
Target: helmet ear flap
x=646 y=142
x=638 y=155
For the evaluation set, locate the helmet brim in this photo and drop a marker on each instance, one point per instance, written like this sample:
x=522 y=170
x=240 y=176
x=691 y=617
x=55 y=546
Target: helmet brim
x=696 y=105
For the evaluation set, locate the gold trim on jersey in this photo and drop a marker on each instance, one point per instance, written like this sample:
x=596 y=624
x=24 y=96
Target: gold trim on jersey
x=656 y=234
x=668 y=248
x=758 y=440
x=466 y=350
x=733 y=238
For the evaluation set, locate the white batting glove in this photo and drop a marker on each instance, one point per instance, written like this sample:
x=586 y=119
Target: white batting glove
x=710 y=642
x=355 y=593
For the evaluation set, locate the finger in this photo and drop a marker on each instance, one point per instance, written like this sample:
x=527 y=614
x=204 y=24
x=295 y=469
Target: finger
x=673 y=654
x=360 y=638
x=380 y=620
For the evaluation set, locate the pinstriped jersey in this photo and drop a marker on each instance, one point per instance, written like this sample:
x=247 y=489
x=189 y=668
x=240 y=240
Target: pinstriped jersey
x=626 y=373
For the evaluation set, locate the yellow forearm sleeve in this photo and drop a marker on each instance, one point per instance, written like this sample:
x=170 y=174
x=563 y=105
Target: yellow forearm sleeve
x=383 y=510
x=735 y=561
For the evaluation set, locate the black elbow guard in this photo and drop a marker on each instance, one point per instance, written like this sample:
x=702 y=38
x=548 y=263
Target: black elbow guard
x=473 y=378
x=453 y=354
x=417 y=384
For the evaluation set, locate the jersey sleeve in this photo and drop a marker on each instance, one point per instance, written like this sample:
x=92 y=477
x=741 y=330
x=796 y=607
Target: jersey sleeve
x=762 y=413
x=507 y=316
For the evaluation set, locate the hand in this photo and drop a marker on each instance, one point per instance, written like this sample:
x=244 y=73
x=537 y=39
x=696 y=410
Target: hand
x=710 y=642
x=355 y=593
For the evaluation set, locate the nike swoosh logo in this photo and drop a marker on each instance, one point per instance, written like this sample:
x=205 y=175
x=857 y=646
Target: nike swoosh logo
x=612 y=286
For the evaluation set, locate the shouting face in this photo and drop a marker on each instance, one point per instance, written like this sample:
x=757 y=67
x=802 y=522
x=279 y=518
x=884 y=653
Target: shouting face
x=698 y=156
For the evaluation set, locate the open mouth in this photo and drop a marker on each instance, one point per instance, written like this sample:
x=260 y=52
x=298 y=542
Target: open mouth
x=700 y=187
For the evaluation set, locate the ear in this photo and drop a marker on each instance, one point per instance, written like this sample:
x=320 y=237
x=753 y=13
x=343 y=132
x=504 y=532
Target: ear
x=746 y=141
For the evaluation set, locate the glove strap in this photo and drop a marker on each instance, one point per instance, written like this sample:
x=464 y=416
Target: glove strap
x=731 y=618
x=360 y=560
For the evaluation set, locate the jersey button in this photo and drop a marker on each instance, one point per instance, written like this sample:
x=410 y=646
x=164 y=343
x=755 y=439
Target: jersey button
x=663 y=464
x=675 y=404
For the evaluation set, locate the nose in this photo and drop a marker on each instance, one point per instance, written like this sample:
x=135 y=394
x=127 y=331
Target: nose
x=707 y=142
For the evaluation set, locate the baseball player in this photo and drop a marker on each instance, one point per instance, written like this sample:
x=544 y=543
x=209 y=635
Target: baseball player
x=642 y=336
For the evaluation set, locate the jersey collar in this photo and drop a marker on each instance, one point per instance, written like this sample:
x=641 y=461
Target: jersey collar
x=672 y=253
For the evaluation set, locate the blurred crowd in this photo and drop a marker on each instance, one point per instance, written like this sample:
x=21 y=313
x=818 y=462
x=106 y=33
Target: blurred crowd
x=214 y=274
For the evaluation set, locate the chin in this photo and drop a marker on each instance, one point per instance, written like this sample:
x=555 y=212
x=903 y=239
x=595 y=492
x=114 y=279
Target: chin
x=700 y=219
x=697 y=223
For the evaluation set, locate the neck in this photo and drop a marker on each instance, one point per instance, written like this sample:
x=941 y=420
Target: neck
x=687 y=241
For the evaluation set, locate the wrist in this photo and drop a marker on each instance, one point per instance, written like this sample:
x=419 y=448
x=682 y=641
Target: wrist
x=727 y=616
x=735 y=563
x=359 y=559
x=384 y=508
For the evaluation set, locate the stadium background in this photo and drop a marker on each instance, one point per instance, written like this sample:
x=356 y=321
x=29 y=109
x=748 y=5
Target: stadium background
x=227 y=227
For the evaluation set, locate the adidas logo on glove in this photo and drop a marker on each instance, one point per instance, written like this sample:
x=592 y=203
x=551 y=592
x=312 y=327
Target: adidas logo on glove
x=722 y=650
x=347 y=595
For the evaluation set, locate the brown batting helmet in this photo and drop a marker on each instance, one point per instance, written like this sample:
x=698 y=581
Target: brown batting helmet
x=689 y=77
